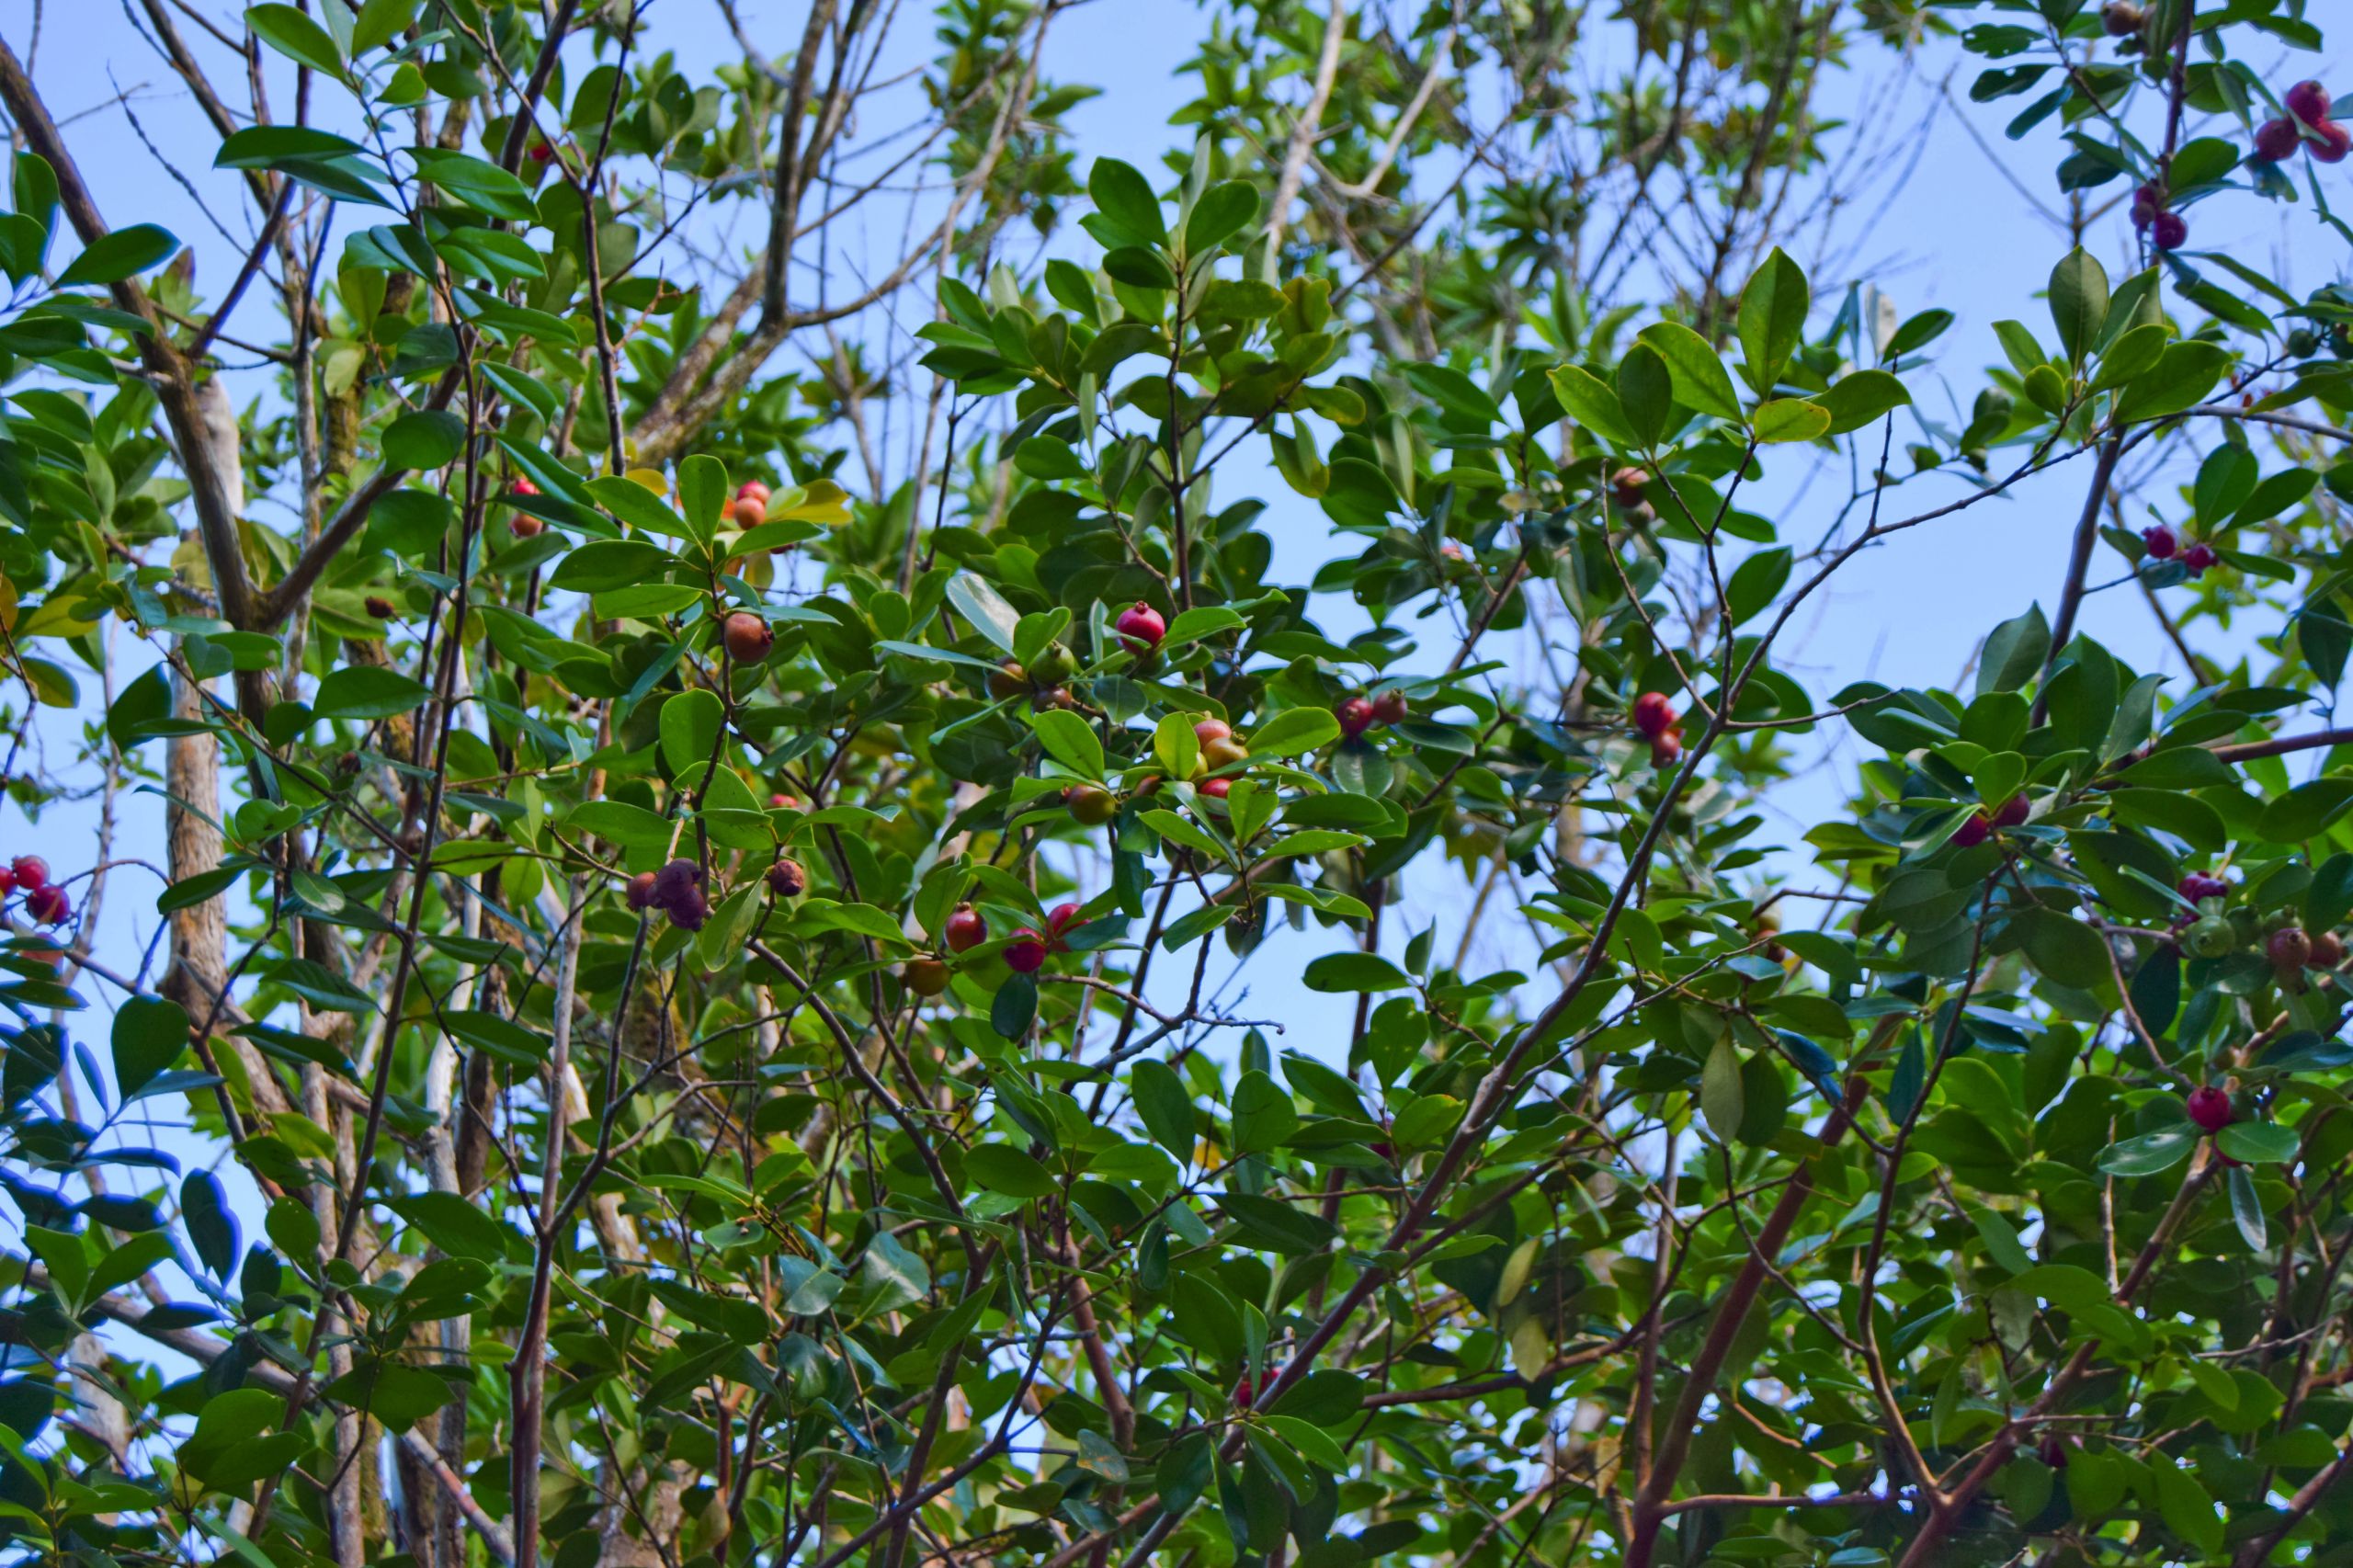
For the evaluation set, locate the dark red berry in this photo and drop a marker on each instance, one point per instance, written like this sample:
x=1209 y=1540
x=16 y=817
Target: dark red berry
x=378 y=608
x=640 y=891
x=7 y=881
x=966 y=929
x=1354 y=716
x=1653 y=713
x=1025 y=952
x=1215 y=789
x=48 y=905
x=1061 y=917
x=2199 y=556
x=2170 y=231
x=2328 y=951
x=2307 y=101
x=2333 y=142
x=747 y=637
x=1140 y=623
x=1389 y=707
x=2160 y=541
x=786 y=880
x=31 y=872
x=2289 y=948
x=2275 y=140
x=2199 y=884
x=1975 y=831
x=2209 y=1106
x=2014 y=811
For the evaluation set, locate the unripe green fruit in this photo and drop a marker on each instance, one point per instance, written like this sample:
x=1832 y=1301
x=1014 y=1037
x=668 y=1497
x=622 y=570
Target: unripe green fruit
x=2211 y=937
x=1053 y=666
x=2303 y=343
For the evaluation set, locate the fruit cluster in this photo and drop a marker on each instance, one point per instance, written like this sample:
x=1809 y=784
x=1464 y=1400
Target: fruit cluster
x=1359 y=714
x=2306 y=124
x=676 y=889
x=1980 y=826
x=2164 y=544
x=45 y=902
x=1654 y=716
x=2213 y=929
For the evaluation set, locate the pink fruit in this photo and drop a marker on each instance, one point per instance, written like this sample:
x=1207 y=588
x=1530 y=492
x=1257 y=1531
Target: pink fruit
x=2209 y=1106
x=747 y=637
x=1975 y=831
x=2307 y=101
x=31 y=872
x=2160 y=541
x=966 y=929
x=1140 y=623
x=2170 y=231
x=2014 y=811
x=1061 y=917
x=2199 y=556
x=48 y=905
x=1354 y=716
x=1653 y=713
x=2275 y=140
x=2335 y=141
x=1026 y=953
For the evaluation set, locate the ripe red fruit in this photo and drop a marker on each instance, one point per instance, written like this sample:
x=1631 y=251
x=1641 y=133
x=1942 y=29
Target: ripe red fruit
x=747 y=637
x=2275 y=140
x=2198 y=885
x=753 y=489
x=1060 y=918
x=2014 y=811
x=2307 y=101
x=540 y=151
x=1243 y=1392
x=7 y=881
x=2199 y=556
x=785 y=802
x=1626 y=487
x=2289 y=948
x=2148 y=200
x=1008 y=679
x=2168 y=231
x=1975 y=831
x=640 y=891
x=1209 y=730
x=1666 y=748
x=2160 y=541
x=522 y=524
x=378 y=608
x=48 y=905
x=2335 y=141
x=1140 y=623
x=31 y=872
x=1354 y=716
x=748 y=511
x=1389 y=707
x=1025 y=952
x=786 y=880
x=1653 y=713
x=2328 y=951
x=522 y=487
x=2209 y=1106
x=1215 y=789
x=966 y=929
x=926 y=977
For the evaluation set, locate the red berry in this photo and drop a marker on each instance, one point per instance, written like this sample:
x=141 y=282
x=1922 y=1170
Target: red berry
x=1354 y=716
x=2209 y=1107
x=747 y=637
x=752 y=489
x=1025 y=952
x=1975 y=831
x=1666 y=748
x=1061 y=917
x=1243 y=1392
x=2335 y=141
x=748 y=511
x=2148 y=200
x=48 y=905
x=786 y=880
x=1209 y=730
x=2160 y=541
x=640 y=891
x=2014 y=811
x=522 y=524
x=2275 y=140
x=1140 y=623
x=522 y=487
x=2199 y=556
x=2198 y=885
x=1653 y=713
x=2289 y=948
x=31 y=872
x=7 y=881
x=1389 y=707
x=2307 y=101
x=966 y=929
x=378 y=608
x=2168 y=231
x=540 y=153
x=1215 y=789
x=2328 y=951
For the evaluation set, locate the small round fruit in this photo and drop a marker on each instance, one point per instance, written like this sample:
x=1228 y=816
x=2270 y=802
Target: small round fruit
x=689 y=912
x=2199 y=885
x=1008 y=679
x=380 y=608
x=1626 y=487
x=1026 y=953
x=748 y=638
x=2329 y=950
x=2303 y=343
x=31 y=872
x=522 y=487
x=1141 y=625
x=784 y=802
x=1061 y=917
x=1653 y=713
x=2289 y=948
x=2199 y=556
x=2334 y=140
x=2307 y=101
x=1354 y=716
x=1975 y=831
x=1215 y=789
x=677 y=881
x=1053 y=666
x=1222 y=752
x=2120 y=19
x=7 y=881
x=2276 y=139
x=1092 y=804
x=752 y=489
x=2209 y=1106
x=2170 y=231
x=926 y=977
x=2212 y=936
x=48 y=905
x=748 y=511
x=1242 y=1392
x=1209 y=730
x=966 y=929
x=2014 y=811
x=640 y=891
x=522 y=524
x=2148 y=200
x=1389 y=708
x=1667 y=749
x=786 y=880
x=2160 y=541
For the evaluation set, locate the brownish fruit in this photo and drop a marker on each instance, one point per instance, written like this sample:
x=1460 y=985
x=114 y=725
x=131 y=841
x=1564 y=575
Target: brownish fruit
x=926 y=977
x=966 y=929
x=378 y=608
x=1008 y=679
x=749 y=511
x=747 y=637
x=1091 y=804
x=786 y=880
x=522 y=524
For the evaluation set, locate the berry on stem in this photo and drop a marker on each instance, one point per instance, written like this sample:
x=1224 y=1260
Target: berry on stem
x=2307 y=101
x=747 y=637
x=966 y=929
x=2160 y=541
x=1653 y=713
x=1209 y=730
x=2168 y=231
x=31 y=872
x=1356 y=716
x=926 y=977
x=1026 y=953
x=2289 y=948
x=2209 y=1106
x=522 y=524
x=48 y=905
x=1389 y=707
x=1091 y=804
x=1141 y=625
x=2275 y=140
x=787 y=879
x=1973 y=832
x=2333 y=141
x=2014 y=811
x=2199 y=556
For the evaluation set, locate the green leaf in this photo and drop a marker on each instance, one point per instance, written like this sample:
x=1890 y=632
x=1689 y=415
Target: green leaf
x=150 y=1034
x=2307 y=810
x=1854 y=401
x=603 y=564
x=367 y=692
x=1280 y=1227
x=1757 y=582
x=1590 y=403
x=1015 y=1006
x=639 y=507
x=703 y=490
x=454 y=1225
x=691 y=722
x=2258 y=1142
x=295 y=36
x=428 y=439
x=1262 y=1114
x=2149 y=1154
x=1772 y=319
x=1701 y=382
x=2014 y=653
x=1789 y=419
x=2078 y=302
x=1295 y=732
x=113 y=257
x=1125 y=197
x=478 y=183
x=1166 y=1109
x=1721 y=1094
x=1645 y=393
x=1000 y=1167
x=1222 y=210
x=1069 y=739
x=890 y=1277
x=1355 y=971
